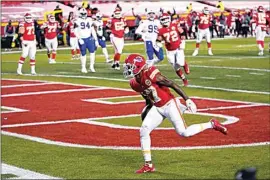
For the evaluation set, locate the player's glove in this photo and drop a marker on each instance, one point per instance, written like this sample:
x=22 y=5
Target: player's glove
x=191 y=106
x=159 y=44
x=103 y=38
x=126 y=30
x=81 y=41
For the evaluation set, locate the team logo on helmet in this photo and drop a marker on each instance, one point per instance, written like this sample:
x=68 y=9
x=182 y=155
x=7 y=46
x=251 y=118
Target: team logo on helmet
x=148 y=82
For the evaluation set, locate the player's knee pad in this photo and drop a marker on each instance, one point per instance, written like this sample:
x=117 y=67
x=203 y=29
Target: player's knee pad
x=144 y=131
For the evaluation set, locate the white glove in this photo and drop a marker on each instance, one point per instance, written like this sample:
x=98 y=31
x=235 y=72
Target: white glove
x=103 y=38
x=81 y=41
x=191 y=106
x=126 y=30
x=159 y=44
x=96 y=43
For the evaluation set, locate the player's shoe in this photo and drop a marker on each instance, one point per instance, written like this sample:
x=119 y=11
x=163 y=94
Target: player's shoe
x=92 y=69
x=19 y=72
x=218 y=126
x=78 y=56
x=84 y=70
x=260 y=53
x=195 y=53
x=73 y=57
x=109 y=60
x=210 y=52
x=185 y=81
x=33 y=73
x=52 y=61
x=186 y=68
x=113 y=65
x=146 y=169
x=117 y=66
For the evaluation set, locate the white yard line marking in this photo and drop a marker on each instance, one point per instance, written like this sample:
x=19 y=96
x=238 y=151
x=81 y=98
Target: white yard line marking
x=216 y=60
x=207 y=78
x=12 y=110
x=231 y=75
x=232 y=68
x=229 y=107
x=46 y=141
x=23 y=173
x=26 y=85
x=51 y=92
x=259 y=74
x=105 y=100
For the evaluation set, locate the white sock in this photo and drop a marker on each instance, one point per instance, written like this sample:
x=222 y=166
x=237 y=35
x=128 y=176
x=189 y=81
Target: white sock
x=196 y=128
x=83 y=61
x=105 y=52
x=260 y=47
x=33 y=68
x=20 y=66
x=92 y=59
x=145 y=145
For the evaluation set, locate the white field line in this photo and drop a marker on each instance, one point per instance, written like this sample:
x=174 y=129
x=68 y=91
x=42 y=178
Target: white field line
x=216 y=60
x=232 y=68
x=229 y=107
x=231 y=75
x=26 y=85
x=259 y=74
x=207 y=78
x=46 y=141
x=12 y=110
x=246 y=45
x=125 y=80
x=51 y=92
x=111 y=103
x=23 y=173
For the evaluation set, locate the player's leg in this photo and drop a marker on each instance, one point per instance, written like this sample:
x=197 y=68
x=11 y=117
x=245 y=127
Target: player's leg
x=208 y=40
x=149 y=52
x=152 y=120
x=174 y=113
x=78 y=52
x=259 y=40
x=91 y=48
x=117 y=56
x=54 y=44
x=198 y=41
x=83 y=56
x=25 y=51
x=180 y=63
x=32 y=56
x=120 y=46
x=73 y=43
x=102 y=43
x=49 y=48
x=182 y=55
x=158 y=52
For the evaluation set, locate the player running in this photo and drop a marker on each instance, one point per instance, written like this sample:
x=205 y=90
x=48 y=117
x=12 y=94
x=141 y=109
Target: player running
x=87 y=37
x=148 y=29
x=170 y=33
x=51 y=42
x=161 y=104
x=28 y=38
x=98 y=23
x=203 y=30
x=118 y=27
x=260 y=29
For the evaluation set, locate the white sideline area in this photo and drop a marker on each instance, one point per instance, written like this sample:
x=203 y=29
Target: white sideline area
x=23 y=173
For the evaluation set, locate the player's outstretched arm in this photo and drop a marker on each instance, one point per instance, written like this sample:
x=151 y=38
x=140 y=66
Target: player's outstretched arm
x=163 y=81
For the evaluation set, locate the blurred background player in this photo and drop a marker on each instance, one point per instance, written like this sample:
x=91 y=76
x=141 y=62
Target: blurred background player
x=27 y=33
x=51 y=29
x=73 y=40
x=9 y=31
x=98 y=23
x=87 y=37
x=260 y=29
x=203 y=30
x=161 y=104
x=170 y=33
x=118 y=27
x=148 y=29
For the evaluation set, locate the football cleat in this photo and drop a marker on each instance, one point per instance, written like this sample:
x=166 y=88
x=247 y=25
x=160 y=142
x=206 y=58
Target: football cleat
x=218 y=126
x=185 y=81
x=51 y=61
x=19 y=72
x=186 y=68
x=113 y=65
x=210 y=52
x=117 y=66
x=84 y=70
x=146 y=169
x=260 y=53
x=73 y=57
x=33 y=73
x=92 y=69
x=195 y=53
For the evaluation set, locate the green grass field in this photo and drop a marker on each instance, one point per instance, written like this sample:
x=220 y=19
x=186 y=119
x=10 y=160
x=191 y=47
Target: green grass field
x=235 y=72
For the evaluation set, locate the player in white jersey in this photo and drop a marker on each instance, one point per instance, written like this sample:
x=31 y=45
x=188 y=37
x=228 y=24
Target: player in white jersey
x=260 y=29
x=148 y=29
x=98 y=23
x=87 y=38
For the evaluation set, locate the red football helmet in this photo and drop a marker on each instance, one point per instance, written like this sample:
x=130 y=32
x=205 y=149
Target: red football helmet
x=133 y=65
x=165 y=19
x=117 y=14
x=260 y=9
x=205 y=10
x=28 y=18
x=51 y=18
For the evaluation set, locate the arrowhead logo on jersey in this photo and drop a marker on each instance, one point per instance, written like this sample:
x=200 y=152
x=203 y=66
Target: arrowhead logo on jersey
x=148 y=82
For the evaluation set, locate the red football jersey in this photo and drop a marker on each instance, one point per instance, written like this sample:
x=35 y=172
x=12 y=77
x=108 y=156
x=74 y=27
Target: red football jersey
x=51 y=29
x=71 y=29
x=159 y=95
x=261 y=20
x=171 y=36
x=204 y=21
x=29 y=31
x=118 y=27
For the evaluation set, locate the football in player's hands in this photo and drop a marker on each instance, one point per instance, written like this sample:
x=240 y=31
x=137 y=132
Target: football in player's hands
x=191 y=106
x=81 y=41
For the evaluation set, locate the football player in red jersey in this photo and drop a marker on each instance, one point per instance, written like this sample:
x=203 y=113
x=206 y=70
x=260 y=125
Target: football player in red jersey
x=161 y=104
x=170 y=33
x=50 y=27
x=260 y=29
x=73 y=40
x=118 y=27
x=203 y=30
x=28 y=38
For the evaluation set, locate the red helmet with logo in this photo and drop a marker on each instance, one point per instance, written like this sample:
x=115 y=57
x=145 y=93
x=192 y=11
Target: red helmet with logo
x=51 y=18
x=134 y=64
x=28 y=18
x=165 y=19
x=260 y=9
